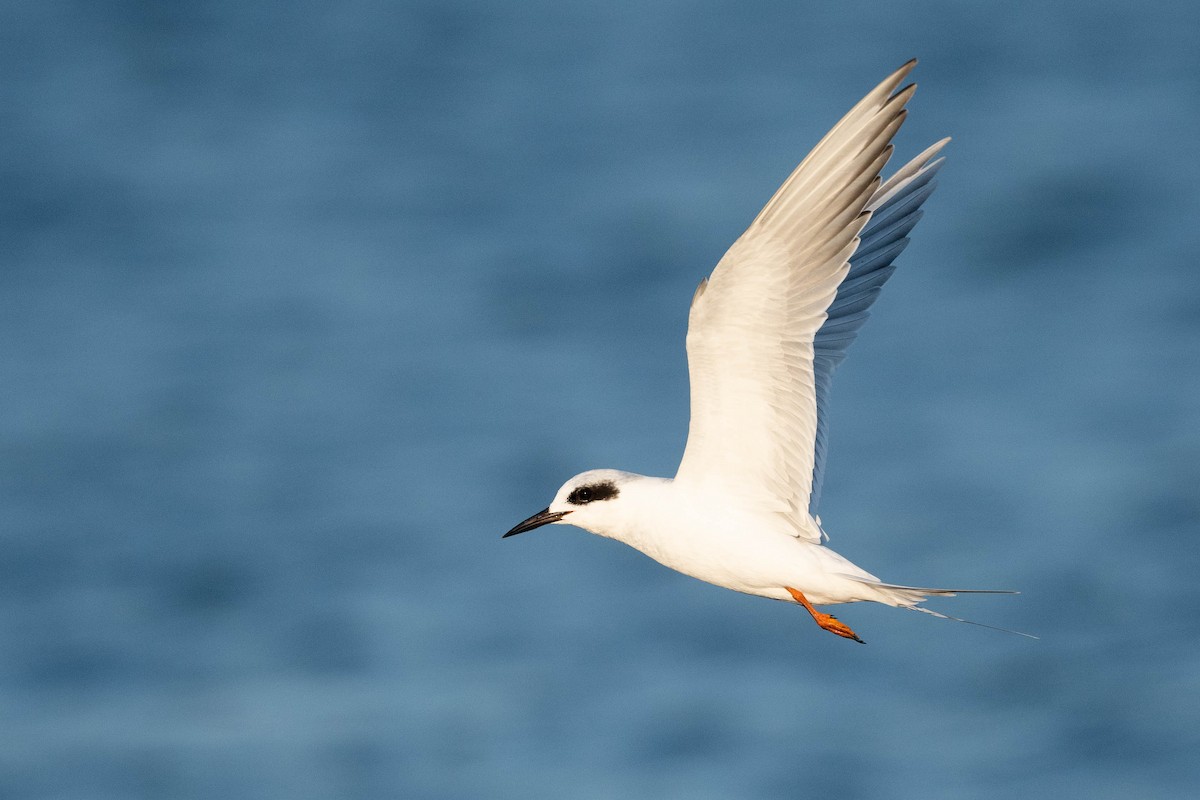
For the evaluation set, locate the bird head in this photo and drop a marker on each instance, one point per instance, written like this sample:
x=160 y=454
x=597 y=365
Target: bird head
x=590 y=501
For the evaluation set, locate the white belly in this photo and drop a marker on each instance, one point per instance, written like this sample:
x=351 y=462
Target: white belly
x=753 y=555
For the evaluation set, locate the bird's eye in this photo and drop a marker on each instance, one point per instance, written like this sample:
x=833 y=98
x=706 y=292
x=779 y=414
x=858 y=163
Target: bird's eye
x=592 y=493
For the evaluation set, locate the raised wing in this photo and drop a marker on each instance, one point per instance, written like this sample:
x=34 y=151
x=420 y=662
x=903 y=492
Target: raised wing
x=753 y=329
x=895 y=210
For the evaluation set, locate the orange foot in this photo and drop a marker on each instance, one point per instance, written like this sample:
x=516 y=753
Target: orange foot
x=827 y=621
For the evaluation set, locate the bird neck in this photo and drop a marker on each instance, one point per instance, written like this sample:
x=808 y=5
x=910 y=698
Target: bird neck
x=633 y=518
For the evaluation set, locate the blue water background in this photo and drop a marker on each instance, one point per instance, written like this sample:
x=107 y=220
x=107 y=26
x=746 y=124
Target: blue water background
x=302 y=305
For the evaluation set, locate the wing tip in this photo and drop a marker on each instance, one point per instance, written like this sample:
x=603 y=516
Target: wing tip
x=903 y=70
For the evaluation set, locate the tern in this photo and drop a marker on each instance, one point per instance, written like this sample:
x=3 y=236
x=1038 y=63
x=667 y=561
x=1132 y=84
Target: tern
x=766 y=331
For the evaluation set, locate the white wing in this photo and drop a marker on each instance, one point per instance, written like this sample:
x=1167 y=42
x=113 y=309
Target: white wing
x=756 y=364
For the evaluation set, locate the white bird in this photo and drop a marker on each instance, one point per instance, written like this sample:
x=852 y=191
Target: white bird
x=765 y=333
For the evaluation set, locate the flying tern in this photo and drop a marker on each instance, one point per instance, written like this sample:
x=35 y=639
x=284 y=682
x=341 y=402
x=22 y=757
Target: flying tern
x=766 y=331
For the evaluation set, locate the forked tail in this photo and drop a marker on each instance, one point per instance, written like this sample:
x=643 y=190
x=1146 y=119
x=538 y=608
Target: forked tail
x=939 y=615
x=911 y=596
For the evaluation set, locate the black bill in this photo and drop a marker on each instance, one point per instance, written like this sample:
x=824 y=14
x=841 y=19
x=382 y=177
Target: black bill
x=543 y=517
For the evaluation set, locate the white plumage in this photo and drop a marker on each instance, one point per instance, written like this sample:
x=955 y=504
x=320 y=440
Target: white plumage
x=765 y=333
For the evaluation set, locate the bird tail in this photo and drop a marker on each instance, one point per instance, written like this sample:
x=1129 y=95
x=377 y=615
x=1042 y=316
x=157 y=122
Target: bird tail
x=911 y=596
x=939 y=615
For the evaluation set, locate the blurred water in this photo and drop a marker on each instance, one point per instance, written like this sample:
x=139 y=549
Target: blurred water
x=304 y=305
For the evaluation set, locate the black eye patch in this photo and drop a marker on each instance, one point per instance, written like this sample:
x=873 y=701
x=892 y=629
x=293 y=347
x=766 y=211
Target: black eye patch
x=593 y=492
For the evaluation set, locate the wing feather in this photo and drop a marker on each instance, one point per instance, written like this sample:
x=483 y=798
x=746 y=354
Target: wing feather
x=896 y=209
x=790 y=292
